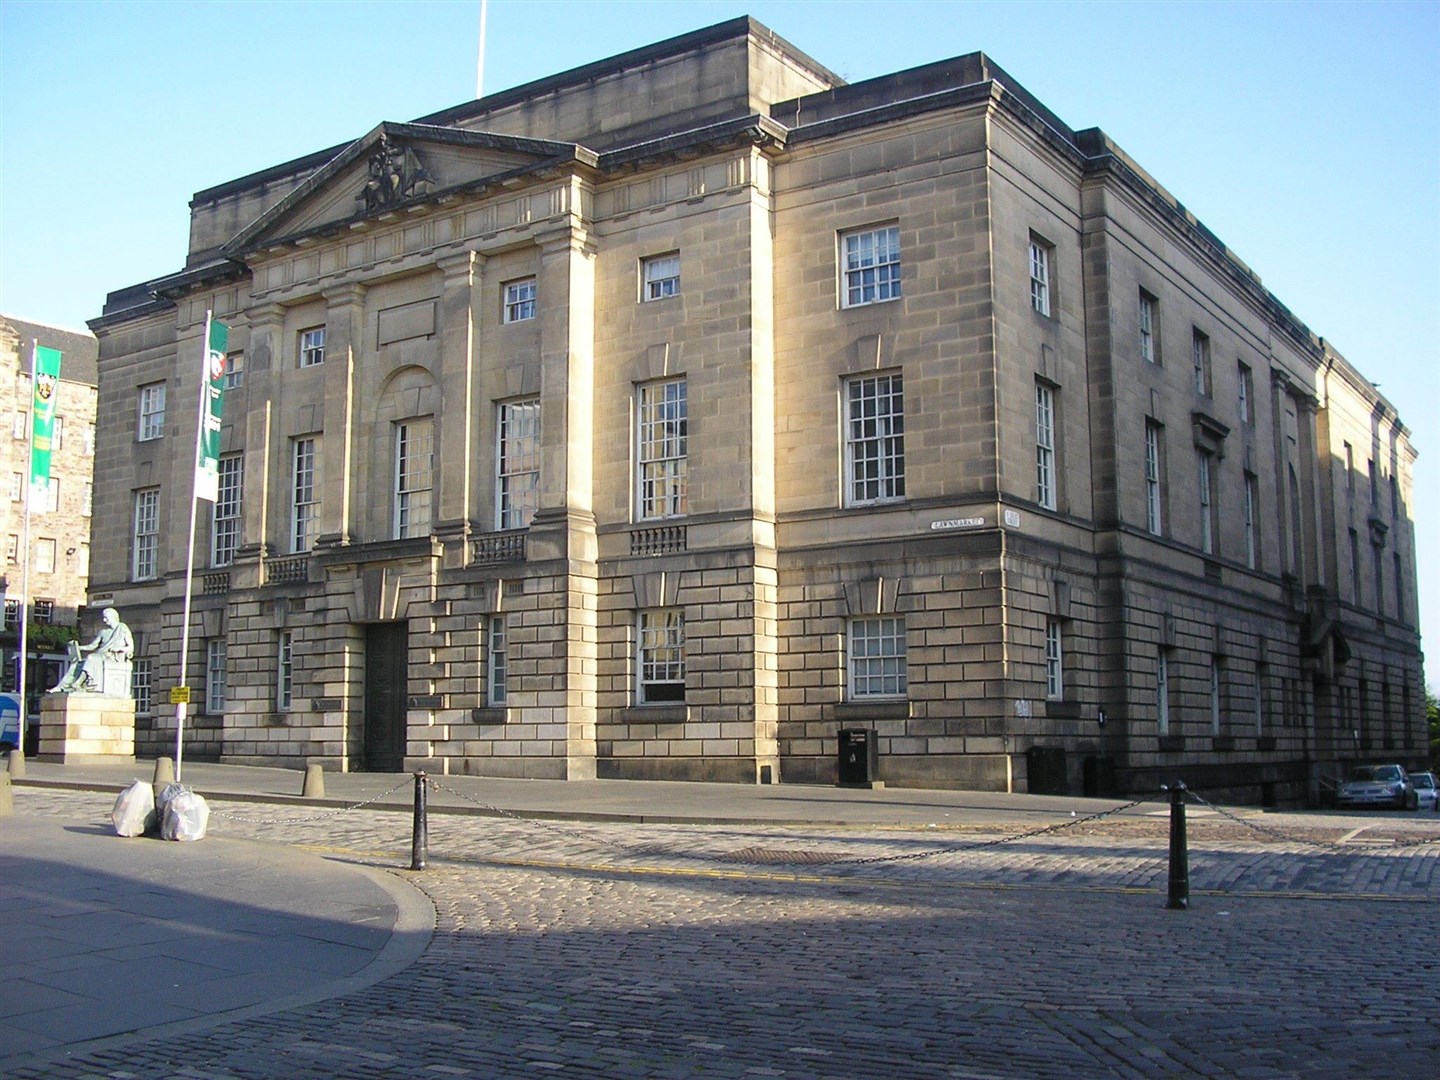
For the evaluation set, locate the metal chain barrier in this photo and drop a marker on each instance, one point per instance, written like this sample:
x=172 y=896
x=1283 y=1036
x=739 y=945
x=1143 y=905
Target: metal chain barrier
x=997 y=841
x=949 y=849
x=1277 y=834
x=314 y=815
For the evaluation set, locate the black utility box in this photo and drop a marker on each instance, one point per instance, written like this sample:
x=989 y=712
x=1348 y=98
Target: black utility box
x=859 y=756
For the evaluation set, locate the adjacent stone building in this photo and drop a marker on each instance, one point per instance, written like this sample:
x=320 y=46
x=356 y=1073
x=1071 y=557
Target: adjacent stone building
x=59 y=554
x=664 y=417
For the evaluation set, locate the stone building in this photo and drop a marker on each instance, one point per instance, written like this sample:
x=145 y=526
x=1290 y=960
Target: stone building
x=60 y=529
x=998 y=454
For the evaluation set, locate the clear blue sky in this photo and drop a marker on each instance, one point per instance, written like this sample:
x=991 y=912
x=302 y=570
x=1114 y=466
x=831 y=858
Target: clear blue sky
x=1305 y=135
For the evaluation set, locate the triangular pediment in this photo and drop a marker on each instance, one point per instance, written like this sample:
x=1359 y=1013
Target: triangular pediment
x=399 y=165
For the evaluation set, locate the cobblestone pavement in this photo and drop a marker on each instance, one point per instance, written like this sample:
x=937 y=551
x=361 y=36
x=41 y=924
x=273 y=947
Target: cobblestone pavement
x=654 y=951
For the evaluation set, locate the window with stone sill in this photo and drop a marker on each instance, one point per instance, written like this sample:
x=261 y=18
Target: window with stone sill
x=875 y=650
x=1149 y=328
x=663 y=445
x=140 y=685
x=660 y=277
x=496 y=673
x=145 y=540
x=519 y=300
x=152 y=411
x=1041 y=288
x=661 y=660
x=870 y=266
x=1054 y=661
x=312 y=347
x=874 y=439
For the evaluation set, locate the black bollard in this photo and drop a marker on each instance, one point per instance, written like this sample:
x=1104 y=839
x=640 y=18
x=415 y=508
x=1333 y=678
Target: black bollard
x=1179 y=854
x=420 y=838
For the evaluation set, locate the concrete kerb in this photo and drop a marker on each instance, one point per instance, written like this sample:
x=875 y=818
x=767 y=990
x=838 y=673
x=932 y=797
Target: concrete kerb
x=410 y=936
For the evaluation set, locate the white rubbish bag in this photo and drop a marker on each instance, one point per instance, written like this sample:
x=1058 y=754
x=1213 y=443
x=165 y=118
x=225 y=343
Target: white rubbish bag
x=186 y=816
x=134 y=812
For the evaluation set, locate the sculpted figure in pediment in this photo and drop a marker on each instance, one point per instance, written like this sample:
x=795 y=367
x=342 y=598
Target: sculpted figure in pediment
x=395 y=175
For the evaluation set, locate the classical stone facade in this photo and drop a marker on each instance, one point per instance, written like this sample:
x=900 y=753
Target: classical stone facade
x=59 y=530
x=666 y=416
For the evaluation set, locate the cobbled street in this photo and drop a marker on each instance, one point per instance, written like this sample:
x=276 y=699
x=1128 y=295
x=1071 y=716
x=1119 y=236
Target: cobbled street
x=647 y=951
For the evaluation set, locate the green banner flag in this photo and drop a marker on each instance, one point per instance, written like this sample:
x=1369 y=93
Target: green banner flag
x=212 y=378
x=46 y=379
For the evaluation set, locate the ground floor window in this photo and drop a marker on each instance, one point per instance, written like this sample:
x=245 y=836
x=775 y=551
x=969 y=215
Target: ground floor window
x=662 y=656
x=877 y=657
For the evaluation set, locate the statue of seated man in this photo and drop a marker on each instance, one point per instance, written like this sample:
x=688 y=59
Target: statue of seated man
x=114 y=645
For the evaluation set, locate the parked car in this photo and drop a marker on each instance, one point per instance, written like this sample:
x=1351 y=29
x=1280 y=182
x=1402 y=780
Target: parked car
x=1427 y=790
x=1377 y=785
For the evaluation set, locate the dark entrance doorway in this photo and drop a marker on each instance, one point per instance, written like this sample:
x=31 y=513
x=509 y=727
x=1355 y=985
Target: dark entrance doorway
x=386 y=674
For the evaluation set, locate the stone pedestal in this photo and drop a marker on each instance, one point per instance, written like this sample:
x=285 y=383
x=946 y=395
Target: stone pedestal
x=87 y=729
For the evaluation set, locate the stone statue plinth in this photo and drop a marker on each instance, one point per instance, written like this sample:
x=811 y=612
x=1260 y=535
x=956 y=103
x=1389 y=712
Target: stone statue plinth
x=87 y=729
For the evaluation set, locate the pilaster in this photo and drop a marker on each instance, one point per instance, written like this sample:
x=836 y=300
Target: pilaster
x=461 y=330
x=344 y=341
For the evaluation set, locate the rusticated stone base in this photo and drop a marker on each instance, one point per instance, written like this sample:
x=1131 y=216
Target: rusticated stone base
x=84 y=729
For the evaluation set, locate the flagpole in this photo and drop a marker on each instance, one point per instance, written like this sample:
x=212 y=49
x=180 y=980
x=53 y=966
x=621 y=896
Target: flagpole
x=25 y=558
x=181 y=706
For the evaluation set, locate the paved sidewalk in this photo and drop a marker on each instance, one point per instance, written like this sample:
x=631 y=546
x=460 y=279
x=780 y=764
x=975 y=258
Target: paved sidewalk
x=655 y=801
x=644 y=930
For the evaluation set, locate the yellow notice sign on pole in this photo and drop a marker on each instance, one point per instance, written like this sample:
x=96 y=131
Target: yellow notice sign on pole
x=180 y=695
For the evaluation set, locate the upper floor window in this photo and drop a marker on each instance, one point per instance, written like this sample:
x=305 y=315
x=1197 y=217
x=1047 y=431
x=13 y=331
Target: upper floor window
x=414 y=477
x=88 y=440
x=520 y=299
x=20 y=424
x=1040 y=258
x=43 y=612
x=1206 y=462
x=1154 y=520
x=312 y=346
x=1045 y=446
x=874 y=439
x=517 y=463
x=870 y=260
x=662 y=656
x=152 y=411
x=234 y=376
x=304 y=499
x=146 y=535
x=663 y=449
x=660 y=276
x=1200 y=357
x=225 y=515
x=877 y=657
x=1149 y=325
x=1399 y=586
x=1355 y=590
x=1246 y=394
x=45 y=555
x=1252 y=524
x=57 y=433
